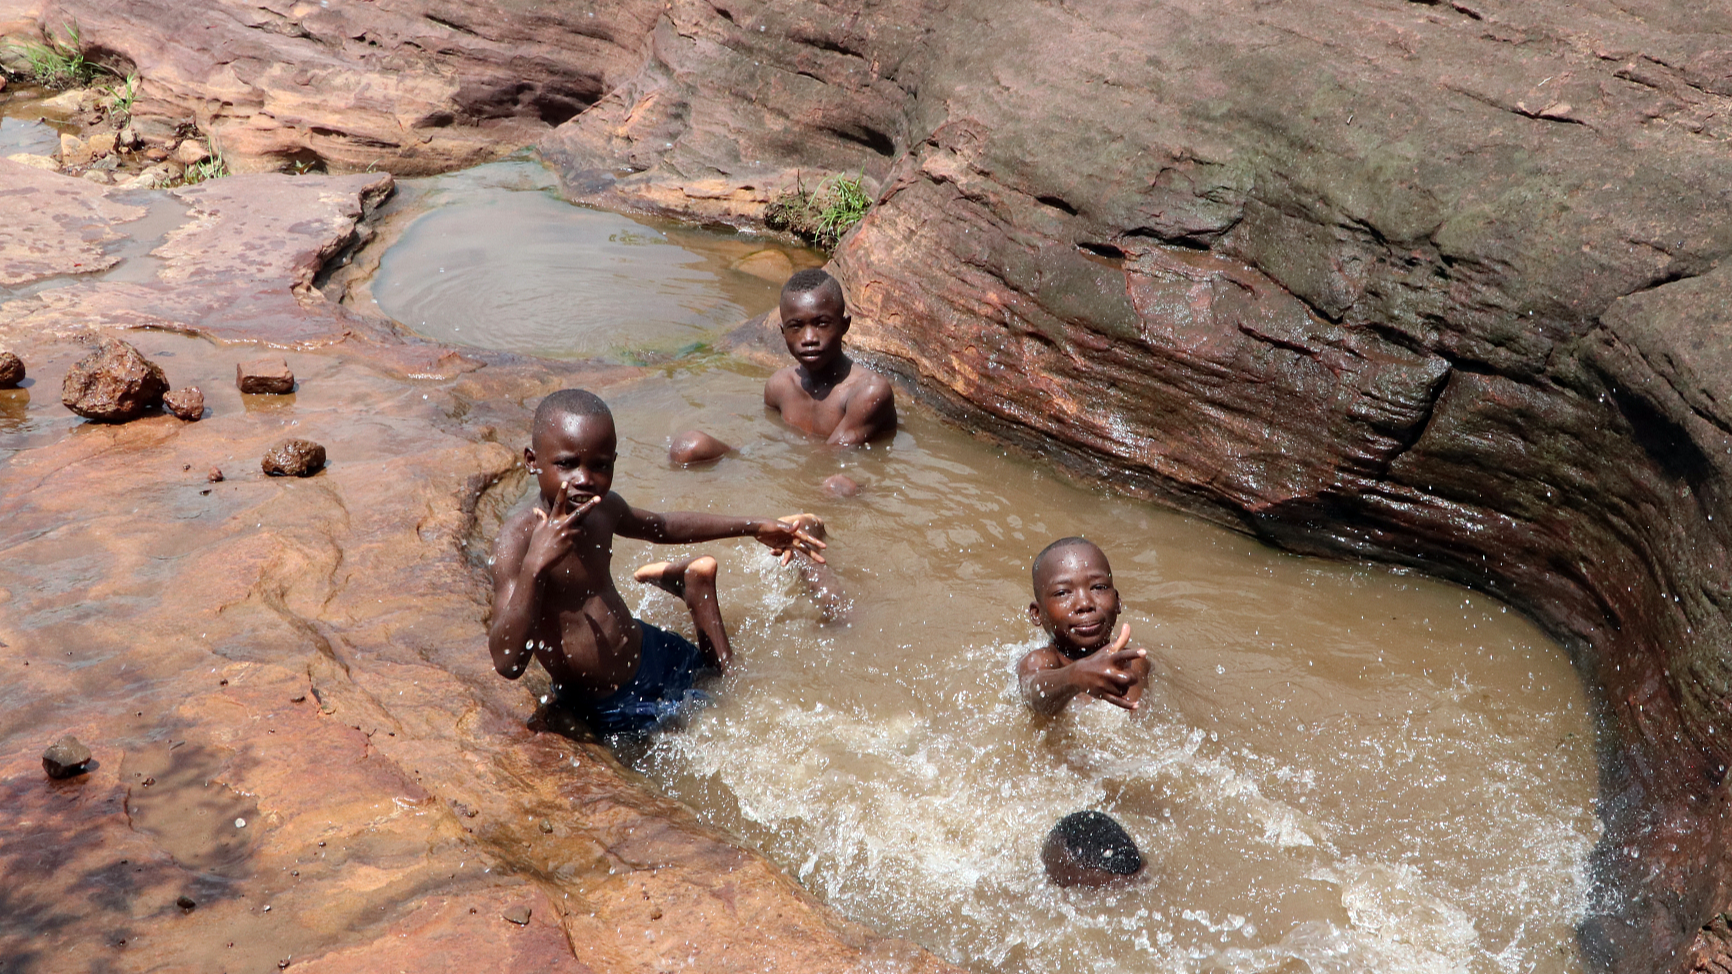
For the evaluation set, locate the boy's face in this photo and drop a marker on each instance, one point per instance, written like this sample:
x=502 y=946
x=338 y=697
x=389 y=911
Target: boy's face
x=1074 y=599
x=579 y=450
x=813 y=323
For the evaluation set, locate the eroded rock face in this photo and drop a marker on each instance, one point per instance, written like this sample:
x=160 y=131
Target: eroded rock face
x=113 y=384
x=1433 y=284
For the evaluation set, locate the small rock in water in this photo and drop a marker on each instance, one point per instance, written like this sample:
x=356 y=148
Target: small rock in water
x=113 y=384
x=185 y=902
x=127 y=137
x=102 y=143
x=294 y=458
x=186 y=402
x=11 y=370
x=74 y=151
x=518 y=915
x=265 y=375
x=841 y=485
x=215 y=476
x=150 y=178
x=66 y=758
x=695 y=446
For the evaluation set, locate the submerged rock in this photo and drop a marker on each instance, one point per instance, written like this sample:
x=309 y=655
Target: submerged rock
x=294 y=458
x=113 y=384
x=66 y=758
x=186 y=402
x=265 y=375
x=11 y=370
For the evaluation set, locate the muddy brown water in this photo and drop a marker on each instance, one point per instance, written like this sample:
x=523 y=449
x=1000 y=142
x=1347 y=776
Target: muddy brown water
x=1340 y=768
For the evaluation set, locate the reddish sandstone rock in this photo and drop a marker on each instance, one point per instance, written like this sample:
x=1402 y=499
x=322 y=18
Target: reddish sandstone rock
x=113 y=384
x=11 y=370
x=294 y=458
x=186 y=402
x=265 y=375
x=66 y=758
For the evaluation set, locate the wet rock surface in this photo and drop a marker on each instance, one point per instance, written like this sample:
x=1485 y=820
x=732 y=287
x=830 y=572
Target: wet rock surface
x=326 y=680
x=66 y=758
x=1427 y=283
x=113 y=384
x=11 y=370
x=294 y=458
x=186 y=403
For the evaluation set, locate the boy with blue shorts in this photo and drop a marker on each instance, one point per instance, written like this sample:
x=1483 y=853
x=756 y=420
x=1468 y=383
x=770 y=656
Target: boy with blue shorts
x=553 y=592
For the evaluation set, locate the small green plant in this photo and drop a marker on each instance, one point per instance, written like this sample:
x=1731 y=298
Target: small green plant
x=121 y=97
x=59 y=63
x=820 y=217
x=211 y=168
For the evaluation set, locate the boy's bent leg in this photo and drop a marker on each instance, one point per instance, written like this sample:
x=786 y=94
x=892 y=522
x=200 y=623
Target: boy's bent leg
x=694 y=581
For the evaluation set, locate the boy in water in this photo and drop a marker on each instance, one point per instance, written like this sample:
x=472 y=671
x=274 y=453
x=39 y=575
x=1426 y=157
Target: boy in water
x=553 y=592
x=1077 y=605
x=825 y=394
x=1090 y=849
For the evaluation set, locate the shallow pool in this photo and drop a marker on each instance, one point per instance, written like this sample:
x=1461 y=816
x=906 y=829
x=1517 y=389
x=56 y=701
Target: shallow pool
x=1340 y=768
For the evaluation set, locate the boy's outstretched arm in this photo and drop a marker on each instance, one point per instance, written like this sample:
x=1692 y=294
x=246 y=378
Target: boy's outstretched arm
x=688 y=527
x=870 y=412
x=1112 y=673
x=526 y=549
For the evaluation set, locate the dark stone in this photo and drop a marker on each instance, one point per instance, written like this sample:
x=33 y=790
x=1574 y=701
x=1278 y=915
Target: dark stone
x=185 y=902
x=695 y=446
x=294 y=458
x=186 y=402
x=11 y=370
x=264 y=376
x=113 y=384
x=215 y=475
x=66 y=758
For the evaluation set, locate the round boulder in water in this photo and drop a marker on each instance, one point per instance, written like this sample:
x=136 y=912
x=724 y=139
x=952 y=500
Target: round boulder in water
x=294 y=458
x=113 y=384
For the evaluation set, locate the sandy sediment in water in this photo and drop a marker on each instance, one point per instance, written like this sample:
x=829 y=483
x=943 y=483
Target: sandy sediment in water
x=285 y=683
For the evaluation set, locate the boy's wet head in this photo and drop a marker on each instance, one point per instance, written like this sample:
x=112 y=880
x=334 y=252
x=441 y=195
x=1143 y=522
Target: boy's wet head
x=814 y=318
x=1089 y=849
x=1074 y=597
x=572 y=441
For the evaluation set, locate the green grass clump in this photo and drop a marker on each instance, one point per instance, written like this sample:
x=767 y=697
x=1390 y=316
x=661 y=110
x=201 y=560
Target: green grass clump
x=121 y=97
x=211 y=168
x=59 y=63
x=820 y=217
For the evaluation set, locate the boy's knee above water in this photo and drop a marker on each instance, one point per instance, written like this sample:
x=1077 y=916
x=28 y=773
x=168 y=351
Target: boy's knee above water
x=1090 y=849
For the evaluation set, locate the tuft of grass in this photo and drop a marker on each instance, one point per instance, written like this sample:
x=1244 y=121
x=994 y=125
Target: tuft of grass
x=59 y=63
x=822 y=216
x=214 y=167
x=121 y=97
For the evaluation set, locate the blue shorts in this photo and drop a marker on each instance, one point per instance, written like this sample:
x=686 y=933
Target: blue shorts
x=661 y=691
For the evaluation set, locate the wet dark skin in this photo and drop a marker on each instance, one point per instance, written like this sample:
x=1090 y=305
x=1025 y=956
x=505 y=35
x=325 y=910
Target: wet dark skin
x=1077 y=604
x=825 y=394
x=553 y=592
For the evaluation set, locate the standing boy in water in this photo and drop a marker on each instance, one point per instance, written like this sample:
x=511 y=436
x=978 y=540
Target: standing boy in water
x=825 y=394
x=1077 y=605
x=553 y=591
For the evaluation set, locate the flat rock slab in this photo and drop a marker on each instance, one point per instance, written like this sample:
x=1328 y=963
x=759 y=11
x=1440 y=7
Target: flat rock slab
x=265 y=375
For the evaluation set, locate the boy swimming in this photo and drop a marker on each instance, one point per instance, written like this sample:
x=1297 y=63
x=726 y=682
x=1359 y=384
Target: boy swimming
x=825 y=394
x=1077 y=605
x=553 y=592
x=1090 y=849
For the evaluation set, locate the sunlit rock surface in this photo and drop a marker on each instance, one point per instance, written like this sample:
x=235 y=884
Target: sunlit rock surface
x=1438 y=283
x=284 y=683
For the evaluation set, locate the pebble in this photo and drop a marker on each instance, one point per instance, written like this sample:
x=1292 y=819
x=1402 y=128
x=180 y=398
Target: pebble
x=11 y=370
x=215 y=476
x=65 y=758
x=294 y=458
x=185 y=902
x=265 y=375
x=186 y=402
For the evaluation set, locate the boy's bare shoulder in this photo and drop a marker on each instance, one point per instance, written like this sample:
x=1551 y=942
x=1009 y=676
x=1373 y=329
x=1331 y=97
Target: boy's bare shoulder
x=1044 y=658
x=871 y=384
x=779 y=385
